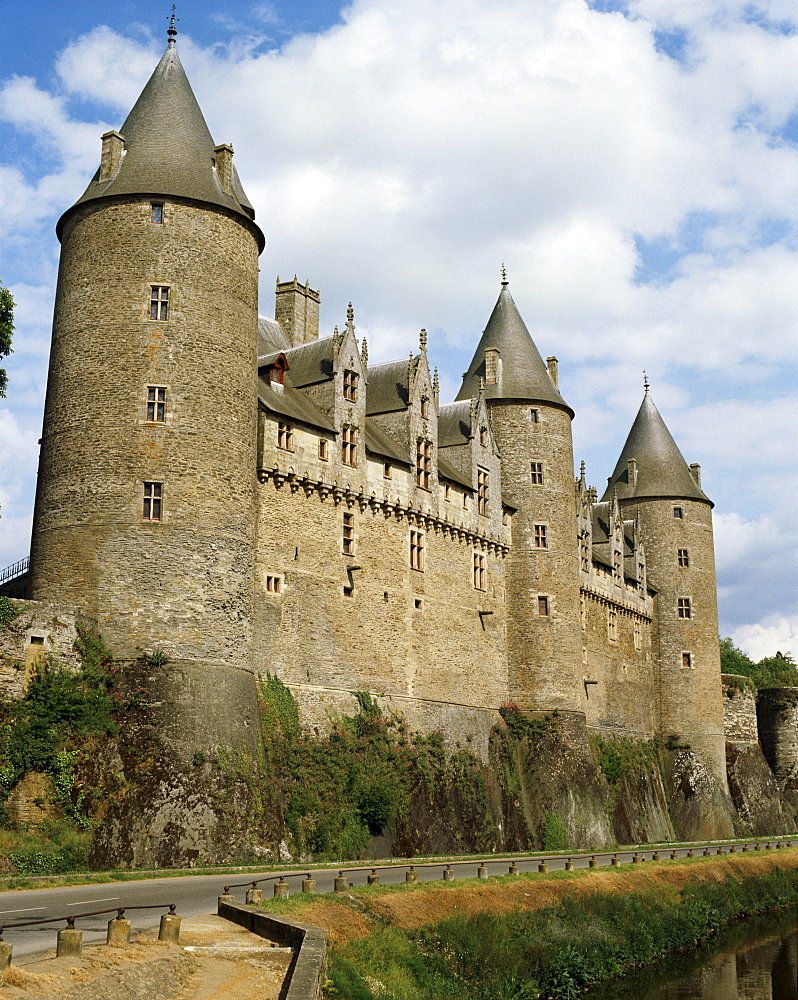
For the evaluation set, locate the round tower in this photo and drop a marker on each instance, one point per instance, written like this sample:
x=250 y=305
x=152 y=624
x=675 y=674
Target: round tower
x=145 y=501
x=653 y=481
x=532 y=424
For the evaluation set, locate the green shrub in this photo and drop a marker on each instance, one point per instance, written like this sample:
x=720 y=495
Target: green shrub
x=555 y=833
x=8 y=611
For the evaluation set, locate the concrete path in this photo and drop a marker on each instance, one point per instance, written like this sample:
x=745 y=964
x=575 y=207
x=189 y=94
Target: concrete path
x=215 y=960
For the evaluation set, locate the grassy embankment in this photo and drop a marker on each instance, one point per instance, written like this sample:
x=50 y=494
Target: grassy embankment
x=534 y=936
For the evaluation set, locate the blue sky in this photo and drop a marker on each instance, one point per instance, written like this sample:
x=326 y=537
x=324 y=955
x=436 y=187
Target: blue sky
x=634 y=164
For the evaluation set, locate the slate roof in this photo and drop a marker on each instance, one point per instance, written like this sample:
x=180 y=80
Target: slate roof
x=169 y=150
x=448 y=471
x=661 y=469
x=387 y=387
x=311 y=363
x=292 y=403
x=379 y=442
x=454 y=424
x=524 y=373
x=271 y=339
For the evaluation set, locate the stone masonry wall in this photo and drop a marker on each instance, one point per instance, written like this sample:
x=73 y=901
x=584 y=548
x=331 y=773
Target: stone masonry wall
x=42 y=628
x=739 y=710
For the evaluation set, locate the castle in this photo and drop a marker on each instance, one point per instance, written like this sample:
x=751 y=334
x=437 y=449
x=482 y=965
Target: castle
x=246 y=496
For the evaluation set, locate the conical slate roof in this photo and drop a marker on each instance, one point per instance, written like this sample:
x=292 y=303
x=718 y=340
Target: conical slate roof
x=523 y=372
x=169 y=150
x=661 y=469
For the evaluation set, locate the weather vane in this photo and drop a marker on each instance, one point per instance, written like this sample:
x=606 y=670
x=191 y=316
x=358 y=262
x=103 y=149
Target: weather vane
x=645 y=380
x=504 y=274
x=171 y=31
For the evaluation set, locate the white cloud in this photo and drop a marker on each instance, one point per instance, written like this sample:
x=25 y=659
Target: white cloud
x=777 y=633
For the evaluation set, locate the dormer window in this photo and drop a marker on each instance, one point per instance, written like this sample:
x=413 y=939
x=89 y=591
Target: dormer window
x=350 y=385
x=423 y=463
x=277 y=370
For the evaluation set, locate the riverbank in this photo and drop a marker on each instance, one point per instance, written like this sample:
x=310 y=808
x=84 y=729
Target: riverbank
x=535 y=935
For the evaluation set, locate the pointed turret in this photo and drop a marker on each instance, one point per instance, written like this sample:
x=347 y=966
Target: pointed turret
x=165 y=149
x=651 y=464
x=508 y=360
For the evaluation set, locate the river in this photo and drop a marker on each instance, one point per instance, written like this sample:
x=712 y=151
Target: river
x=756 y=959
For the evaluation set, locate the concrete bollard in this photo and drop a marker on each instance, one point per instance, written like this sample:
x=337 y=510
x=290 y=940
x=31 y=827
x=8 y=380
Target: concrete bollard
x=543 y=867
x=655 y=856
x=118 y=932
x=411 y=875
x=732 y=849
x=691 y=853
x=448 y=874
x=592 y=863
x=745 y=849
x=254 y=896
x=569 y=865
x=513 y=869
x=341 y=883
x=308 y=884
x=5 y=954
x=281 y=889
x=169 y=930
x=373 y=878
x=70 y=942
x=767 y=846
x=482 y=872
x=757 y=847
x=707 y=852
x=778 y=846
x=616 y=861
x=719 y=850
x=636 y=859
x=674 y=855
x=226 y=897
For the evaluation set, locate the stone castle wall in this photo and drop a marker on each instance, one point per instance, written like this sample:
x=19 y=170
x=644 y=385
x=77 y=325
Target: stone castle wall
x=42 y=628
x=739 y=709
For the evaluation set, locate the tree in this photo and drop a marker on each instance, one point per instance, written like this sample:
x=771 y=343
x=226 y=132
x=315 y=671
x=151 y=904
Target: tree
x=772 y=671
x=6 y=329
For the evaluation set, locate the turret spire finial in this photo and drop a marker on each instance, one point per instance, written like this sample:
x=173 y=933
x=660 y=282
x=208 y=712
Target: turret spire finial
x=422 y=341
x=645 y=380
x=171 y=31
x=505 y=282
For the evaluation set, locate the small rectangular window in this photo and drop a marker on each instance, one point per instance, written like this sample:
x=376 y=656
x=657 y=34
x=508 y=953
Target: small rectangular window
x=684 y=607
x=418 y=603
x=423 y=463
x=687 y=660
x=583 y=613
x=536 y=472
x=541 y=537
x=348 y=541
x=274 y=585
x=156 y=212
x=543 y=607
x=417 y=550
x=153 y=496
x=349 y=591
x=612 y=626
x=156 y=403
x=349 y=445
x=447 y=493
x=465 y=501
x=350 y=385
x=638 y=634
x=159 y=302
x=534 y=416
x=479 y=571
x=387 y=470
x=285 y=436
x=683 y=558
x=483 y=483
x=678 y=512
x=323 y=449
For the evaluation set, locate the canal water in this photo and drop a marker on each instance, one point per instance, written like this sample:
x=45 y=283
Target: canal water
x=756 y=959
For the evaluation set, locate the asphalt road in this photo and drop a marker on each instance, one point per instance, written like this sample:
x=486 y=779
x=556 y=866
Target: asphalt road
x=196 y=895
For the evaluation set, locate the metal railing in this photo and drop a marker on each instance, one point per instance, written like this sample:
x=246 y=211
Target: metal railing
x=15 y=570
x=594 y=860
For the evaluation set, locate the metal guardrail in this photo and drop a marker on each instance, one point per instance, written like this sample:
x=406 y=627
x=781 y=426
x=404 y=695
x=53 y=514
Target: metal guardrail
x=14 y=570
x=594 y=860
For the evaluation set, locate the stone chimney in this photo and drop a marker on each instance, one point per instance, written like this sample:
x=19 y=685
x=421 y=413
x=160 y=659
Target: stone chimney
x=695 y=468
x=224 y=167
x=297 y=311
x=111 y=155
x=553 y=373
x=492 y=366
x=631 y=472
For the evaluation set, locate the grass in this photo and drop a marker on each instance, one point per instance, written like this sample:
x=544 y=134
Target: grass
x=542 y=943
